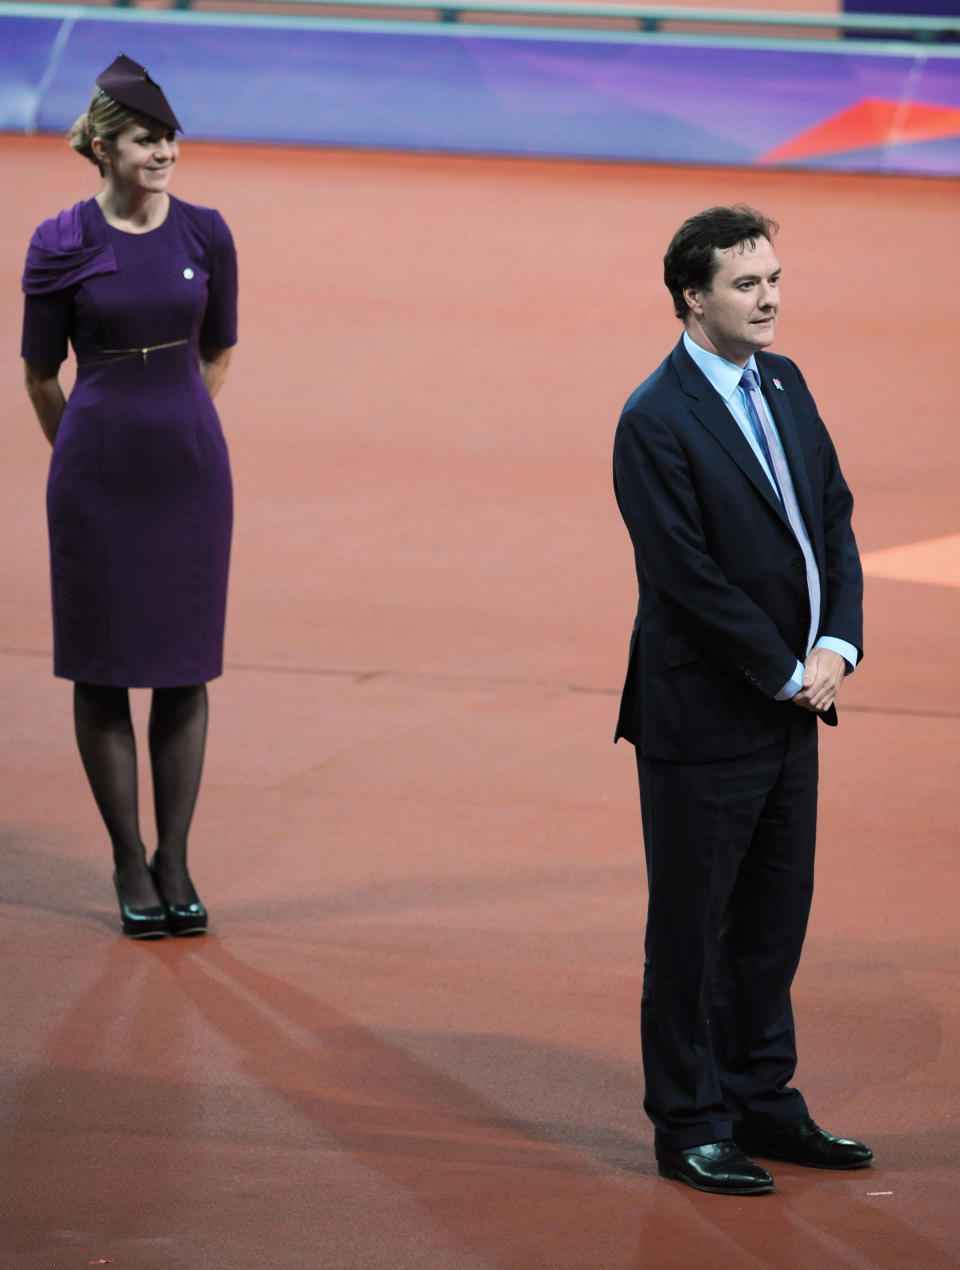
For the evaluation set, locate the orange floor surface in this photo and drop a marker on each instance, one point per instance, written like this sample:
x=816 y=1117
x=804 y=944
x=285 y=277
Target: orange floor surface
x=411 y=1039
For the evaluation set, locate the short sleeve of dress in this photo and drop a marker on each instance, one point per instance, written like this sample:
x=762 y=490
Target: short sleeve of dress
x=46 y=326
x=57 y=261
x=219 y=329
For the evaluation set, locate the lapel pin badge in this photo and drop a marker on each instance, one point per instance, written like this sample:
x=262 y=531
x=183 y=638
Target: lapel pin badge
x=777 y=384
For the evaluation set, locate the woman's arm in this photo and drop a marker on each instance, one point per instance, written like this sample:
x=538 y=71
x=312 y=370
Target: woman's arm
x=43 y=389
x=213 y=367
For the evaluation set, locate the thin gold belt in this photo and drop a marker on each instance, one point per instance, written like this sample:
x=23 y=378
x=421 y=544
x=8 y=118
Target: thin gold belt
x=149 y=348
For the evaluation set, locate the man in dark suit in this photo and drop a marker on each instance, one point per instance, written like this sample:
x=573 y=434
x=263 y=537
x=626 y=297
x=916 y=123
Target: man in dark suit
x=750 y=615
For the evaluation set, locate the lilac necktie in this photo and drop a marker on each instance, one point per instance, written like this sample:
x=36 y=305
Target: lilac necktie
x=783 y=483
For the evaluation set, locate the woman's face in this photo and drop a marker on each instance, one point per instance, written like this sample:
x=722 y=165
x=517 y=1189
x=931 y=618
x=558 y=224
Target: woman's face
x=141 y=157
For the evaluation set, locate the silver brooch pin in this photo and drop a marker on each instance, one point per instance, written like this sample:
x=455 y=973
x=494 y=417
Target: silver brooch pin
x=188 y=273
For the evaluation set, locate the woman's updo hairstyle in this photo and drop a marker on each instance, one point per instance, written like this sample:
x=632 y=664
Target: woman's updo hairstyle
x=106 y=119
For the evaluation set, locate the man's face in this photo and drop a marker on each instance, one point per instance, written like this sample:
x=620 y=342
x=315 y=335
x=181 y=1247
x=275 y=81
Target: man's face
x=737 y=315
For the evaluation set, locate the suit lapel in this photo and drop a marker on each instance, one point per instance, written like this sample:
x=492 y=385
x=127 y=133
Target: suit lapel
x=711 y=410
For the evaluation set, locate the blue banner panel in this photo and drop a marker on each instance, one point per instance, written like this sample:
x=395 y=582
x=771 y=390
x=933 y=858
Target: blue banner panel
x=432 y=87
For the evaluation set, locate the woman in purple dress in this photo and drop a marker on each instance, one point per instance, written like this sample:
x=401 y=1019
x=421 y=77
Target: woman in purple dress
x=139 y=498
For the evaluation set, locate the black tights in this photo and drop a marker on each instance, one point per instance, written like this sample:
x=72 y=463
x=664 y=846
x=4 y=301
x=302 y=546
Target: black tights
x=177 y=736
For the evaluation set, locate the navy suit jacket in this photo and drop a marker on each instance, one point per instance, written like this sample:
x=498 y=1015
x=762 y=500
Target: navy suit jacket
x=723 y=610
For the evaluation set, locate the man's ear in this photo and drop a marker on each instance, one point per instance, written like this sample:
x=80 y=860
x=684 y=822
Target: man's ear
x=692 y=297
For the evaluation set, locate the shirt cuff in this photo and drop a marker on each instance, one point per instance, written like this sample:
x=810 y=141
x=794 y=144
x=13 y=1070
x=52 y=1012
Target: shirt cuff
x=793 y=684
x=846 y=651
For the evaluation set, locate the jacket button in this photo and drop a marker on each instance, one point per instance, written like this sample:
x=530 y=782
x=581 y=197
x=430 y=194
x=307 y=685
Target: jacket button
x=798 y=562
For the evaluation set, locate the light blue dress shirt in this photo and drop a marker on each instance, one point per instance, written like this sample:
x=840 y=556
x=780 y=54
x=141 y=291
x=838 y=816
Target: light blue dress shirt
x=725 y=377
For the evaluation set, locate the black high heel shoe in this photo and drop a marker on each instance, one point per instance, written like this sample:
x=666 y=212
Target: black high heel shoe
x=141 y=923
x=181 y=919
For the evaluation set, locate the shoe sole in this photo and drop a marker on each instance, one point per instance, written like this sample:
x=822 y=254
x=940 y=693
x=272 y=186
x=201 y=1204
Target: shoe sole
x=809 y=1164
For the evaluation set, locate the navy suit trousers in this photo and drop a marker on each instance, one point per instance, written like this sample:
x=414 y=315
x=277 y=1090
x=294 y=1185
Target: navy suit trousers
x=729 y=847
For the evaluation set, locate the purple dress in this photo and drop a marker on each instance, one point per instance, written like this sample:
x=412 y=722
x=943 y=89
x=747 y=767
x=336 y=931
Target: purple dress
x=139 y=496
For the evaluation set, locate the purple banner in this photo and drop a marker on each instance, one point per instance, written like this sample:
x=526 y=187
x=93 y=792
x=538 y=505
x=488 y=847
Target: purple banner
x=426 y=87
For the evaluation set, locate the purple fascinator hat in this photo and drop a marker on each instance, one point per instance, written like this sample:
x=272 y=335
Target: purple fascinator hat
x=127 y=82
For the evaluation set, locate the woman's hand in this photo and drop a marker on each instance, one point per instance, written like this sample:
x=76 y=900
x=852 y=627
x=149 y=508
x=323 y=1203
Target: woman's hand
x=213 y=367
x=43 y=389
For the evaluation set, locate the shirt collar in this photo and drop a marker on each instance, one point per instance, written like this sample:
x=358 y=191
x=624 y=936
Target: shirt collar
x=723 y=375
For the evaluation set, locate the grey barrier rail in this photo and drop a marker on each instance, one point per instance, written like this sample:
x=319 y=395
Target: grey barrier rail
x=647 y=18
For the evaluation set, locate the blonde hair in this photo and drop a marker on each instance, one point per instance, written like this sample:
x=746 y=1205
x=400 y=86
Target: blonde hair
x=104 y=118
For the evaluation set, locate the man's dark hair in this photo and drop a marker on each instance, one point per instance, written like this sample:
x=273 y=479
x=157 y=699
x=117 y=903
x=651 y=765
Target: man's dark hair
x=690 y=260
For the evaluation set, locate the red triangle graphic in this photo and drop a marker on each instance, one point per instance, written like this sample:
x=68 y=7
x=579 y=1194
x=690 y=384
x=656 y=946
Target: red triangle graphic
x=871 y=122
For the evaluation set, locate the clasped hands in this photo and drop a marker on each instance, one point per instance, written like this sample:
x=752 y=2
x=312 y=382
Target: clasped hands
x=823 y=673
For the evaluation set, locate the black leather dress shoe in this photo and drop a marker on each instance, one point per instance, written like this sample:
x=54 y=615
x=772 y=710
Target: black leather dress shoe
x=803 y=1142
x=181 y=919
x=140 y=923
x=718 y=1167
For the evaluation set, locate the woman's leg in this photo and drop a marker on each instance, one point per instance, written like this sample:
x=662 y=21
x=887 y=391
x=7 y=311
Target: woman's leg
x=178 y=734
x=107 y=747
